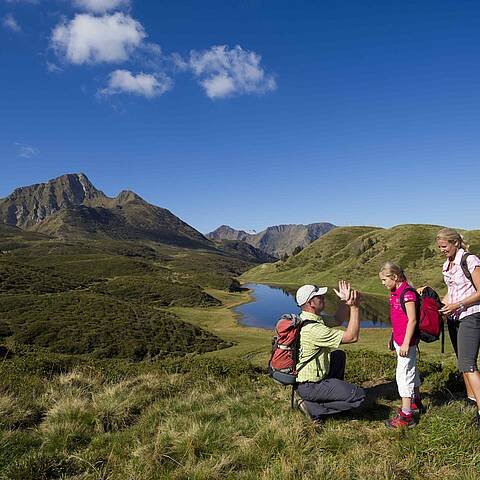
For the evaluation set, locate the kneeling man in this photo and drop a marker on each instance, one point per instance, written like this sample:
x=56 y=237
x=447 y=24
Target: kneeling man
x=320 y=381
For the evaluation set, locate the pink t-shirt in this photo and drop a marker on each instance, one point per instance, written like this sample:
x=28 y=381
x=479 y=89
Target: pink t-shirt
x=398 y=317
x=459 y=286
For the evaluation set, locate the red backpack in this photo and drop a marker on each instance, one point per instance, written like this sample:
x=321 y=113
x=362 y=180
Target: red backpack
x=285 y=345
x=429 y=319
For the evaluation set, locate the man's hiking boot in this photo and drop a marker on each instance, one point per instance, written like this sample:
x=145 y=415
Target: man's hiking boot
x=303 y=408
x=400 y=420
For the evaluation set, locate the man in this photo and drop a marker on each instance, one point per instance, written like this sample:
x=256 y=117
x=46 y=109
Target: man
x=320 y=382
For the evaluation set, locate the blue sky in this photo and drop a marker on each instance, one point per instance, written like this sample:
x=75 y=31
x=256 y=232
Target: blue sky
x=249 y=113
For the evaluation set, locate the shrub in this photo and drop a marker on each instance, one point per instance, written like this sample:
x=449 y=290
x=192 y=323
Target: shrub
x=79 y=323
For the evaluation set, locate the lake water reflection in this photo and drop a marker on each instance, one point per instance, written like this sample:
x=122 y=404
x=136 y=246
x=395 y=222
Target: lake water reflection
x=271 y=302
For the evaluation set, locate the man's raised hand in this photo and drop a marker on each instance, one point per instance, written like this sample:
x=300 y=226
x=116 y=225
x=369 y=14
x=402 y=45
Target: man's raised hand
x=344 y=291
x=354 y=299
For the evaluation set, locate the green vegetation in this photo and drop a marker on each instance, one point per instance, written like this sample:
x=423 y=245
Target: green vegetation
x=157 y=290
x=19 y=278
x=63 y=417
x=357 y=253
x=105 y=299
x=105 y=327
x=126 y=361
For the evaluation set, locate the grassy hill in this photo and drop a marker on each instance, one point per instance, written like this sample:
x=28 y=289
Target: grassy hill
x=125 y=360
x=211 y=418
x=357 y=253
x=107 y=298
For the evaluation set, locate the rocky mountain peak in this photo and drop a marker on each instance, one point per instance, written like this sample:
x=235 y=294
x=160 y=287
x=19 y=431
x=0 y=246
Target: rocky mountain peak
x=70 y=207
x=276 y=240
x=225 y=232
x=126 y=196
x=27 y=206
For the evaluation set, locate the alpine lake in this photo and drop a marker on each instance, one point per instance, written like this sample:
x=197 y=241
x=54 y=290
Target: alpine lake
x=270 y=302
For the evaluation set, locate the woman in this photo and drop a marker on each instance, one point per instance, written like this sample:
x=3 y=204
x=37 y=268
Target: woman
x=462 y=305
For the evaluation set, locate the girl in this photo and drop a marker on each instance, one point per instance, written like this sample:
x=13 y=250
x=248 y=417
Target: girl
x=462 y=305
x=404 y=341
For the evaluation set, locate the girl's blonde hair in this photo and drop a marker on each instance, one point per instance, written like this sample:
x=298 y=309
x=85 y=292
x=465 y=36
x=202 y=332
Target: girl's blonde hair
x=452 y=236
x=390 y=268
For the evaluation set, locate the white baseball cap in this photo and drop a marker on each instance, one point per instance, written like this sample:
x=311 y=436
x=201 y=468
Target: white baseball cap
x=307 y=292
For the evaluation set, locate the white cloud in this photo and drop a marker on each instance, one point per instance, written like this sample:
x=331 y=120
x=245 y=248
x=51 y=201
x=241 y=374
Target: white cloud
x=10 y=23
x=101 y=6
x=25 y=151
x=90 y=39
x=53 y=68
x=178 y=62
x=223 y=72
x=220 y=85
x=145 y=85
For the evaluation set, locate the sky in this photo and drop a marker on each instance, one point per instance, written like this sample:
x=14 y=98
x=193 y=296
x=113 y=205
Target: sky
x=249 y=113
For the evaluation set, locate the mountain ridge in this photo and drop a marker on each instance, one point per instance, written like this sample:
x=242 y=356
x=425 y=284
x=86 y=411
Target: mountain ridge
x=71 y=207
x=276 y=240
x=357 y=254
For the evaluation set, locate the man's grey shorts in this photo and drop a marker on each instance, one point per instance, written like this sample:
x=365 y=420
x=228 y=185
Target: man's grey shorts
x=468 y=342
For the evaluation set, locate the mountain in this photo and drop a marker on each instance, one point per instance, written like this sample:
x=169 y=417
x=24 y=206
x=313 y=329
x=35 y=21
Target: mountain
x=245 y=251
x=26 y=207
x=276 y=240
x=357 y=254
x=225 y=232
x=70 y=207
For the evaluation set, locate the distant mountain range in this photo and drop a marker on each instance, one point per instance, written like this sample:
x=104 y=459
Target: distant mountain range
x=71 y=208
x=277 y=240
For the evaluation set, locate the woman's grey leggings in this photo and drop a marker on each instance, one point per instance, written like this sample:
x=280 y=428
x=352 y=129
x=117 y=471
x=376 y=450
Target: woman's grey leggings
x=468 y=342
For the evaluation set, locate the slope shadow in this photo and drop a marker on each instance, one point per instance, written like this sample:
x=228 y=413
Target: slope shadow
x=370 y=409
x=437 y=399
x=387 y=390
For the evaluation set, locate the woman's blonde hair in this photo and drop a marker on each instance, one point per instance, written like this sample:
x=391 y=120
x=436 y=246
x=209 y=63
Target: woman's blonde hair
x=452 y=236
x=390 y=268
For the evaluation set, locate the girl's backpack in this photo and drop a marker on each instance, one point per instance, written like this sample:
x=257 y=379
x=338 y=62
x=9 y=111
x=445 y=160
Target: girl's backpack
x=429 y=319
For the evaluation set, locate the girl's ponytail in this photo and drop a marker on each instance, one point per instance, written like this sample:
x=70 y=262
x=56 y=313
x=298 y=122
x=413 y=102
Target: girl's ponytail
x=390 y=268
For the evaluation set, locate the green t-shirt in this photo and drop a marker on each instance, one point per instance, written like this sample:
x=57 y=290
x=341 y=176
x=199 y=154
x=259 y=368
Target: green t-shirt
x=315 y=336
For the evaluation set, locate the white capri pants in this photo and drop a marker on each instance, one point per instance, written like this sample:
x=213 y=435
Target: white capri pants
x=407 y=374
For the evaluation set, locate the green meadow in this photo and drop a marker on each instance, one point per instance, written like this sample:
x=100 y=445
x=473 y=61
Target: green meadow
x=217 y=415
x=121 y=362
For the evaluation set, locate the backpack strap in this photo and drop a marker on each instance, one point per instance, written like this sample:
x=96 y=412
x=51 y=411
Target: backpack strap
x=442 y=329
x=315 y=355
x=417 y=308
x=306 y=362
x=466 y=271
x=417 y=301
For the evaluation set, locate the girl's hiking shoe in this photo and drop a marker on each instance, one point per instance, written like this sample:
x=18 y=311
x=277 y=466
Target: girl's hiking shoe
x=417 y=406
x=400 y=420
